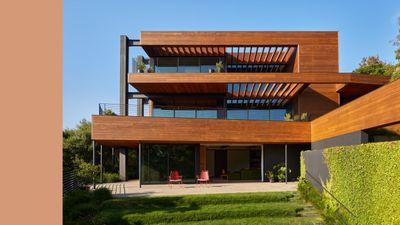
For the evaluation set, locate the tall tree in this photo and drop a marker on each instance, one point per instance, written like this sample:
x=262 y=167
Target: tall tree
x=373 y=65
x=77 y=143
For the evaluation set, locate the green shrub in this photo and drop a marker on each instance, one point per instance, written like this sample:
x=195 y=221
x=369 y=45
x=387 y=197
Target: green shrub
x=280 y=171
x=101 y=195
x=86 y=172
x=79 y=207
x=76 y=197
x=366 y=179
x=110 y=177
x=330 y=212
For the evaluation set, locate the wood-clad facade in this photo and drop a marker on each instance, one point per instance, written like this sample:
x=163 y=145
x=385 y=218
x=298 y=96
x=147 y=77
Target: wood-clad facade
x=205 y=131
x=216 y=94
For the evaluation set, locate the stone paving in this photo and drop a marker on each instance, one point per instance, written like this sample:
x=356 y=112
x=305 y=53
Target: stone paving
x=131 y=188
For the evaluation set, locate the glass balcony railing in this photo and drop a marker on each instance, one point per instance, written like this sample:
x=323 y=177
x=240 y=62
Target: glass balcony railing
x=179 y=65
x=196 y=112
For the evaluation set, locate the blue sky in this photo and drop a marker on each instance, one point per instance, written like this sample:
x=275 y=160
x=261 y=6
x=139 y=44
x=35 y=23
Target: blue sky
x=91 y=32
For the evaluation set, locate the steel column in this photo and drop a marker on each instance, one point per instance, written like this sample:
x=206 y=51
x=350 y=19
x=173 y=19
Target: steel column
x=262 y=164
x=140 y=165
x=123 y=157
x=140 y=107
x=124 y=67
x=94 y=162
x=286 y=169
x=101 y=163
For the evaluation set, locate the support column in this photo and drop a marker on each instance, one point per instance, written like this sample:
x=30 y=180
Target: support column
x=151 y=107
x=101 y=163
x=202 y=157
x=286 y=169
x=139 y=106
x=197 y=159
x=112 y=157
x=140 y=165
x=124 y=67
x=94 y=162
x=262 y=164
x=123 y=157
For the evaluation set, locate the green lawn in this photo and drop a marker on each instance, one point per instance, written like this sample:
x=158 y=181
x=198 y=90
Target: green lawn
x=216 y=209
x=99 y=208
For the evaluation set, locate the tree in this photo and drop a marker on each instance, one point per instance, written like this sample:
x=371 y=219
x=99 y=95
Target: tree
x=396 y=42
x=374 y=66
x=77 y=143
x=86 y=172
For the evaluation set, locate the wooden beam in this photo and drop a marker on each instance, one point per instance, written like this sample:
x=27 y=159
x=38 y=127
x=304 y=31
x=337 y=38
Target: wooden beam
x=316 y=78
x=269 y=92
x=378 y=108
x=263 y=92
x=136 y=129
x=286 y=94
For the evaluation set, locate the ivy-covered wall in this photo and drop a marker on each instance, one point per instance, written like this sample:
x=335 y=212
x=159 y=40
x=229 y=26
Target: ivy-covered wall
x=366 y=179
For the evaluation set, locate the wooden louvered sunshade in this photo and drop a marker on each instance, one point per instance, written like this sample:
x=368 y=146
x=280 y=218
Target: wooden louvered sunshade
x=261 y=95
x=268 y=58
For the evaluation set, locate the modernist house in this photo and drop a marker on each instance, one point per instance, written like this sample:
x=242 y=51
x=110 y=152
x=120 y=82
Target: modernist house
x=237 y=103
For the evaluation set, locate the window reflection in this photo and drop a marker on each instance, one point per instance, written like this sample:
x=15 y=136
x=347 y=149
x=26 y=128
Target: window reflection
x=186 y=64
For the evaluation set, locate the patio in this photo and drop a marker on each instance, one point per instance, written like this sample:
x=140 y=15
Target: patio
x=131 y=188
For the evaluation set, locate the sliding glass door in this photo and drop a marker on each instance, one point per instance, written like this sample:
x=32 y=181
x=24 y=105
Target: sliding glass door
x=159 y=159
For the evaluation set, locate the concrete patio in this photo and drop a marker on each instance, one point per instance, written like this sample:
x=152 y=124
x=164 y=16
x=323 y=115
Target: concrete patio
x=131 y=188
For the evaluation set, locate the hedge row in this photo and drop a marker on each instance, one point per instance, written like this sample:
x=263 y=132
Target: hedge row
x=366 y=179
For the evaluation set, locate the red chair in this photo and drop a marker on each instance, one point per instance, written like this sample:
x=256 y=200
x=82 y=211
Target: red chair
x=203 y=178
x=174 y=178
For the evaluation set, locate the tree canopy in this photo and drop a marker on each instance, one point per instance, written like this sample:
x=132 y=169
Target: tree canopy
x=373 y=65
x=77 y=143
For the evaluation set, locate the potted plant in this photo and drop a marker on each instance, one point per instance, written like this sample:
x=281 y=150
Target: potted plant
x=141 y=67
x=288 y=117
x=150 y=70
x=304 y=117
x=219 y=66
x=270 y=176
x=280 y=171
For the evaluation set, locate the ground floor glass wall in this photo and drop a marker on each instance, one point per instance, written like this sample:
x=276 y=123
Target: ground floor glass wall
x=159 y=159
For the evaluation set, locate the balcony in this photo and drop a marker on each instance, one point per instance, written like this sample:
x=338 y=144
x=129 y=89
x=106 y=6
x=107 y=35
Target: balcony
x=196 y=112
x=195 y=125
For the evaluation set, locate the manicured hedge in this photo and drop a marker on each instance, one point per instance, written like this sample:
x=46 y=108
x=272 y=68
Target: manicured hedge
x=366 y=179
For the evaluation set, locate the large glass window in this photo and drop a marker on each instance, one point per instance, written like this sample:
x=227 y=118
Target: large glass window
x=277 y=114
x=159 y=112
x=258 y=114
x=237 y=114
x=166 y=65
x=208 y=63
x=159 y=159
x=185 y=113
x=188 y=65
x=207 y=114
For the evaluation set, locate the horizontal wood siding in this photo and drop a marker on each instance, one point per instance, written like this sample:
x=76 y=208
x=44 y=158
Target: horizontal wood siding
x=375 y=109
x=317 y=100
x=182 y=130
x=317 y=51
x=224 y=78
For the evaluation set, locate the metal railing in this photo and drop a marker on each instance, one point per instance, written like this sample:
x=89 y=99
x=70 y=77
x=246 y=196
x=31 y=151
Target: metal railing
x=194 y=112
x=70 y=183
x=340 y=207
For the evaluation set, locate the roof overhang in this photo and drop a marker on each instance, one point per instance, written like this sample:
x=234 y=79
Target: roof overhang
x=259 y=89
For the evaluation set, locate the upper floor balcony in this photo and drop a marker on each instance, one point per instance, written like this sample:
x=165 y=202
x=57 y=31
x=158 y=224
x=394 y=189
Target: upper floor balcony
x=148 y=109
x=249 y=59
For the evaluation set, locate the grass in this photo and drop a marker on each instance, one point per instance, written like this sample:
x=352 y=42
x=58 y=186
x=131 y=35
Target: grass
x=216 y=209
